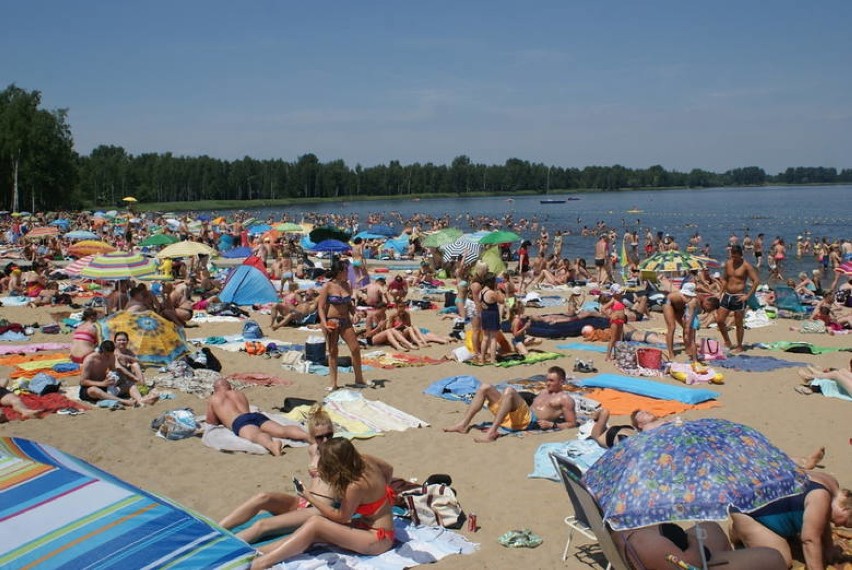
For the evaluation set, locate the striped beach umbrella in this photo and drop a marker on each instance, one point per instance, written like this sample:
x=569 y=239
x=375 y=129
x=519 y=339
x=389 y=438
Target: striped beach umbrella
x=75 y=267
x=89 y=247
x=80 y=235
x=42 y=232
x=844 y=268
x=468 y=247
x=670 y=262
x=118 y=265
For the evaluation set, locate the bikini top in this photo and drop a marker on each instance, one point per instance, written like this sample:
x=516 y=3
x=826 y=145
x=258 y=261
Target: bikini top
x=339 y=299
x=369 y=509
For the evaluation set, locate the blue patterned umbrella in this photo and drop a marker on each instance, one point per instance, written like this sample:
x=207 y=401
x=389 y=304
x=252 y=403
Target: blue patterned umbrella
x=695 y=471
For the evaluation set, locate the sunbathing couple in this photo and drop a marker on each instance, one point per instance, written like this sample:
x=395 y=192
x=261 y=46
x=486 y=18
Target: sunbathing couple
x=343 y=483
x=552 y=409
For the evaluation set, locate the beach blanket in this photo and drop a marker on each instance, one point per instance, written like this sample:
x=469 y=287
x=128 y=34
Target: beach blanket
x=756 y=363
x=203 y=318
x=799 y=347
x=62 y=370
x=257 y=379
x=384 y=360
x=650 y=388
x=44 y=363
x=623 y=403
x=224 y=439
x=47 y=404
x=414 y=546
x=236 y=342
x=12 y=336
x=198 y=382
x=582 y=453
x=582 y=346
x=531 y=358
x=454 y=388
x=14 y=301
x=18 y=359
x=831 y=389
x=34 y=347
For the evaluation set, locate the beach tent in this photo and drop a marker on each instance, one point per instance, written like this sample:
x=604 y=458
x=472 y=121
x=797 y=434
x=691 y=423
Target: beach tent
x=61 y=512
x=399 y=245
x=247 y=285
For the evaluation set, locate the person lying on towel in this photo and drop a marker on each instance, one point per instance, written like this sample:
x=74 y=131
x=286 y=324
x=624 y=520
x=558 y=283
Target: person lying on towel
x=552 y=409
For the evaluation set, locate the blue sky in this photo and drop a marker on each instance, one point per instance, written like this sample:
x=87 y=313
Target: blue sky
x=712 y=85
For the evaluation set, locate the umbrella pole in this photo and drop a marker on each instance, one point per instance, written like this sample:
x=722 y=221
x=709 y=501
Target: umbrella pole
x=700 y=535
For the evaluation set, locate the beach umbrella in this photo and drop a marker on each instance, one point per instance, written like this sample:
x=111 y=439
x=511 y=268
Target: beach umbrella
x=691 y=471
x=76 y=266
x=441 y=237
x=327 y=232
x=844 y=268
x=61 y=512
x=42 y=232
x=290 y=228
x=258 y=229
x=368 y=235
x=204 y=217
x=186 y=249
x=118 y=265
x=271 y=235
x=466 y=246
x=500 y=236
x=383 y=230
x=61 y=222
x=237 y=252
x=89 y=247
x=707 y=262
x=159 y=239
x=154 y=339
x=80 y=234
x=494 y=260
x=670 y=261
x=331 y=246
x=129 y=199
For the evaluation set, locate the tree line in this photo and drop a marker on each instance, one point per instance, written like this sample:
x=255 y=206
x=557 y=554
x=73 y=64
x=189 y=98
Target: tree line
x=39 y=169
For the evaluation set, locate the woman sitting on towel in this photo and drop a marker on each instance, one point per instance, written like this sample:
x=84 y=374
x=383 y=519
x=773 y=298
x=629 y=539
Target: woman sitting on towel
x=363 y=484
x=377 y=332
x=84 y=339
x=289 y=511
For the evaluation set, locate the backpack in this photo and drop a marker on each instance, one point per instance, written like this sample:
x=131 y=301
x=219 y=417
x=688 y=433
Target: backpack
x=42 y=384
x=434 y=505
x=252 y=330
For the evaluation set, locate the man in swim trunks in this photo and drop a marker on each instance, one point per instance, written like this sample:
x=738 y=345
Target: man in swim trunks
x=734 y=296
x=9 y=398
x=100 y=380
x=551 y=409
x=230 y=408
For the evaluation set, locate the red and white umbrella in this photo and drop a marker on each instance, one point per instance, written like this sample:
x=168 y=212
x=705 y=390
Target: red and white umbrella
x=42 y=232
x=76 y=266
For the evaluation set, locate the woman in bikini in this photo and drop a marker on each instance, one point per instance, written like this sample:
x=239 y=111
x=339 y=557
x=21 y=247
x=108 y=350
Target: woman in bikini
x=84 y=339
x=289 y=511
x=378 y=332
x=363 y=484
x=336 y=309
x=617 y=318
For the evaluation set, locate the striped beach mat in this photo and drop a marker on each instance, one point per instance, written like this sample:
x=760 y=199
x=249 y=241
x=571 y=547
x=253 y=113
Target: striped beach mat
x=57 y=511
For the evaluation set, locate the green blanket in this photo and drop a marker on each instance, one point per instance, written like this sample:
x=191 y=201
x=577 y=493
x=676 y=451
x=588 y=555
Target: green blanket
x=800 y=347
x=531 y=358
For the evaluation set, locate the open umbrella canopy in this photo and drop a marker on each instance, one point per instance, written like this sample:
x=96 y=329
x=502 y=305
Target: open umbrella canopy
x=383 y=230
x=465 y=246
x=61 y=222
x=695 y=471
x=327 y=232
x=75 y=267
x=500 y=236
x=368 y=235
x=159 y=239
x=80 y=234
x=61 y=512
x=258 y=229
x=129 y=199
x=290 y=228
x=186 y=249
x=494 y=260
x=331 y=246
x=844 y=268
x=670 y=262
x=441 y=237
x=118 y=265
x=237 y=252
x=42 y=232
x=89 y=247
x=154 y=339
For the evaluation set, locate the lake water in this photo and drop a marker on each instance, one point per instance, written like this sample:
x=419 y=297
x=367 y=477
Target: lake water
x=785 y=211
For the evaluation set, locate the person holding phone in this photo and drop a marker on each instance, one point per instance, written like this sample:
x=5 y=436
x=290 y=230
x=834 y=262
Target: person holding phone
x=289 y=511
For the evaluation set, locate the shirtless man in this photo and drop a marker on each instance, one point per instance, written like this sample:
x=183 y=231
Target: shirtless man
x=231 y=409
x=684 y=308
x=842 y=377
x=101 y=381
x=9 y=398
x=375 y=294
x=734 y=296
x=552 y=409
x=602 y=259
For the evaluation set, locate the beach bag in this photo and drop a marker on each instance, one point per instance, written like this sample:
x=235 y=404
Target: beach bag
x=711 y=349
x=624 y=355
x=649 y=358
x=252 y=330
x=449 y=299
x=42 y=384
x=175 y=424
x=315 y=349
x=813 y=327
x=255 y=347
x=434 y=505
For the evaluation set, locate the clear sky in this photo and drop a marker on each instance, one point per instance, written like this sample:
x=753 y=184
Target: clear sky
x=712 y=85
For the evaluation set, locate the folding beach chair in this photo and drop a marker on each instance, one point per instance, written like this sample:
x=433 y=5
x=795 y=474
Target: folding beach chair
x=587 y=518
x=786 y=299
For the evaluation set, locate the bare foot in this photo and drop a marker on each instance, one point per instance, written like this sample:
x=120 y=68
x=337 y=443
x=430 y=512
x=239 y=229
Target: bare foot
x=458 y=428
x=487 y=438
x=737 y=350
x=812 y=460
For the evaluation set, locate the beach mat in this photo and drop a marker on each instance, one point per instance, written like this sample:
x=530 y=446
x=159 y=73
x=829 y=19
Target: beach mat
x=47 y=404
x=624 y=403
x=582 y=346
x=582 y=452
x=748 y=363
x=649 y=388
x=831 y=389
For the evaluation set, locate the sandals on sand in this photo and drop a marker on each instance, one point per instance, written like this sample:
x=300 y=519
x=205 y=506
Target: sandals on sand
x=804 y=390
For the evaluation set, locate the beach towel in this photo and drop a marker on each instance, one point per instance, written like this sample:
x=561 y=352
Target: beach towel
x=831 y=389
x=257 y=379
x=650 y=388
x=12 y=336
x=800 y=347
x=384 y=360
x=531 y=358
x=224 y=439
x=14 y=301
x=44 y=363
x=47 y=404
x=623 y=403
x=17 y=359
x=582 y=453
x=454 y=388
x=414 y=546
x=21 y=373
x=582 y=346
x=756 y=363
x=34 y=347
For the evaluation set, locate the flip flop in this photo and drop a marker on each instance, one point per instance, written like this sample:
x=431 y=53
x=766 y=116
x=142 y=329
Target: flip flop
x=804 y=390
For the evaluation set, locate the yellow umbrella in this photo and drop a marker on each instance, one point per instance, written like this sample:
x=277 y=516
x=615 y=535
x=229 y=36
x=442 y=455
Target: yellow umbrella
x=186 y=249
x=129 y=199
x=89 y=247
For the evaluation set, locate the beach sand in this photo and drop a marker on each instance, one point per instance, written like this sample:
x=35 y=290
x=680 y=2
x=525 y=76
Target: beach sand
x=491 y=479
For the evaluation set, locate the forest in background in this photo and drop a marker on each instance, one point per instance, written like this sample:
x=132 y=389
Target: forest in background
x=40 y=170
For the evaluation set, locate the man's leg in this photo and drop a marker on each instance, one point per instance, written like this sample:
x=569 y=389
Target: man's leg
x=97 y=394
x=601 y=417
x=18 y=405
x=510 y=400
x=740 y=324
x=275 y=429
x=722 y=323
x=256 y=435
x=485 y=393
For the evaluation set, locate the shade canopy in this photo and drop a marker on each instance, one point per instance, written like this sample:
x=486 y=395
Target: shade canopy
x=118 y=265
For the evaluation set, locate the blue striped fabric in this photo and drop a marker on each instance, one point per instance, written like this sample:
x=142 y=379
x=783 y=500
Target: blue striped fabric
x=57 y=511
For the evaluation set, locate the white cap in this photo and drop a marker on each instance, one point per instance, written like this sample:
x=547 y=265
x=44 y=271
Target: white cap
x=577 y=291
x=688 y=289
x=409 y=271
x=615 y=289
x=716 y=275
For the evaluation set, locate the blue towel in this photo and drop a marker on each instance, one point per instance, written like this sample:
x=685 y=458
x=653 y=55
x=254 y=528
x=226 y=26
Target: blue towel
x=455 y=388
x=12 y=336
x=66 y=367
x=582 y=346
x=831 y=389
x=581 y=452
x=650 y=388
x=756 y=363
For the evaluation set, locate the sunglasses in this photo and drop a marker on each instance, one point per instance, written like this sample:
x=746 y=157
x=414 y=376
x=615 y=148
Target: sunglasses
x=323 y=436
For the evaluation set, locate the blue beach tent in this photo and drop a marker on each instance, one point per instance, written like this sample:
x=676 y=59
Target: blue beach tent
x=248 y=285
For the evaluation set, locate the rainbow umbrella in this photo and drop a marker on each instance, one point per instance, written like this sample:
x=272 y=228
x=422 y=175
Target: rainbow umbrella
x=42 y=232
x=670 y=262
x=118 y=265
x=75 y=267
x=89 y=247
x=154 y=339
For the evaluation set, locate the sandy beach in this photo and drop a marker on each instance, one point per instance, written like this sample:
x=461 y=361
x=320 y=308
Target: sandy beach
x=491 y=479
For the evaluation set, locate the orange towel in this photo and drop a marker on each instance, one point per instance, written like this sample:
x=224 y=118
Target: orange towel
x=13 y=359
x=20 y=373
x=623 y=403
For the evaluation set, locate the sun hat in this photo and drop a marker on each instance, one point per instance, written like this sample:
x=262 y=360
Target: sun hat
x=688 y=290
